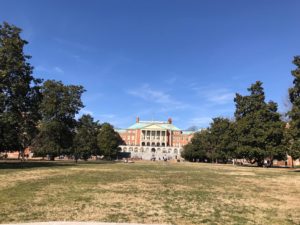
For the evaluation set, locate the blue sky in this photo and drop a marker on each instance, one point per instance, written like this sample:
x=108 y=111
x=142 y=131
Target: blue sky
x=159 y=59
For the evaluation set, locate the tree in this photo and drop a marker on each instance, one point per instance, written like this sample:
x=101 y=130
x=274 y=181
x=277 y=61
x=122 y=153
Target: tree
x=190 y=152
x=85 y=140
x=200 y=147
x=59 y=106
x=109 y=141
x=294 y=113
x=222 y=138
x=215 y=143
x=19 y=92
x=260 y=132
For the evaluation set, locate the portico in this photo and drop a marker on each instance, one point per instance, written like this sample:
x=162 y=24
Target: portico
x=154 y=137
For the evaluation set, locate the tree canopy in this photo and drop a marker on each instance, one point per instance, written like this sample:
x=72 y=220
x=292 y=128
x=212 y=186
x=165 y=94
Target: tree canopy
x=214 y=144
x=256 y=134
x=19 y=92
x=294 y=113
x=259 y=129
x=60 y=103
x=109 y=141
x=85 y=140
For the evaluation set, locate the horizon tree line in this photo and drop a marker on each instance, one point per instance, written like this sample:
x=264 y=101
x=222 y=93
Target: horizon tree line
x=257 y=132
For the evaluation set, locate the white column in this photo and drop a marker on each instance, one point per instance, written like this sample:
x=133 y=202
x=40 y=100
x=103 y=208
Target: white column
x=159 y=137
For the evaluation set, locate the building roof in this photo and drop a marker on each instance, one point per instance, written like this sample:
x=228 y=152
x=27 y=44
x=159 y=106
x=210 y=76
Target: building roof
x=120 y=130
x=153 y=124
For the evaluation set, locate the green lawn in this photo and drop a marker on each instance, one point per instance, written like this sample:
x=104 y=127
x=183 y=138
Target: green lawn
x=148 y=192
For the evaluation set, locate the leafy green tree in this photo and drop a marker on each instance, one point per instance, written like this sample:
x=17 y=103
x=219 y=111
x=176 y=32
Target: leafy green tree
x=294 y=113
x=200 y=147
x=59 y=106
x=190 y=152
x=260 y=131
x=85 y=140
x=19 y=92
x=217 y=143
x=109 y=141
x=222 y=138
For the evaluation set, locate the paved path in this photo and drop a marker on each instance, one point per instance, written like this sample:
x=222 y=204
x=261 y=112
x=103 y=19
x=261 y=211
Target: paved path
x=76 y=223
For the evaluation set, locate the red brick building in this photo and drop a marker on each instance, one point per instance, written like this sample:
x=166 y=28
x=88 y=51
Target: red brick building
x=154 y=139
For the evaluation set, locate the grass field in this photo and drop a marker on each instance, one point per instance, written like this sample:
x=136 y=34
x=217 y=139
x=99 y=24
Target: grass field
x=149 y=192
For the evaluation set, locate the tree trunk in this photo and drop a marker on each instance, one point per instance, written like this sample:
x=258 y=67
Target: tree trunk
x=260 y=163
x=21 y=155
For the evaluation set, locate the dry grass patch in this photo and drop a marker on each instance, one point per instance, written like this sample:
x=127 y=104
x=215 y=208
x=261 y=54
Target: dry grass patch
x=153 y=192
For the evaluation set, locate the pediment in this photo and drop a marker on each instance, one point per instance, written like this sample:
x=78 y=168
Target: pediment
x=154 y=127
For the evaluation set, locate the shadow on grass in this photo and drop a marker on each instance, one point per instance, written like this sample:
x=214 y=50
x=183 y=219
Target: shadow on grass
x=17 y=164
